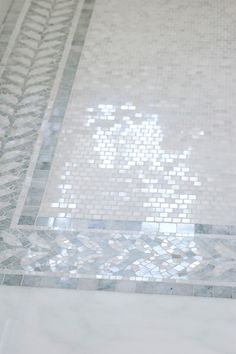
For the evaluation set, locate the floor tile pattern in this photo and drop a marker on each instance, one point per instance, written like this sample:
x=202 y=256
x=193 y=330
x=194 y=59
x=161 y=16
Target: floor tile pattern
x=50 y=133
x=25 y=88
x=120 y=255
x=8 y=25
x=120 y=147
x=150 y=154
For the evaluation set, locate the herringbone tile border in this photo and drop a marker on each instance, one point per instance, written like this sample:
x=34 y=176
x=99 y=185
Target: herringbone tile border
x=25 y=88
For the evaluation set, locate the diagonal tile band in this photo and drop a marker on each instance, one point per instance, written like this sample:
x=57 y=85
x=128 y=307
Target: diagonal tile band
x=8 y=25
x=42 y=168
x=25 y=89
x=113 y=256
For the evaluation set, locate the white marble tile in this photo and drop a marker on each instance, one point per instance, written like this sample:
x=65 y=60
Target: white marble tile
x=68 y=322
x=148 y=131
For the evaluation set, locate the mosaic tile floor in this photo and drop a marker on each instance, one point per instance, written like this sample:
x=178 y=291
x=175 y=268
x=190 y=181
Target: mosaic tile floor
x=117 y=166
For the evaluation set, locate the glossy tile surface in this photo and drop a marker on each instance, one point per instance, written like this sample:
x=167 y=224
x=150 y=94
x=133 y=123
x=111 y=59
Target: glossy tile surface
x=117 y=132
x=149 y=129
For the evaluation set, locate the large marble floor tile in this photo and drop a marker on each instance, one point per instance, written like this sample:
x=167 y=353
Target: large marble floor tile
x=68 y=322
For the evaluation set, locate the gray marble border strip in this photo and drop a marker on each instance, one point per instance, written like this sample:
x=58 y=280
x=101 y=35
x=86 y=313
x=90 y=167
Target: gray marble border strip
x=125 y=225
x=215 y=229
x=130 y=286
x=22 y=120
x=47 y=113
x=43 y=165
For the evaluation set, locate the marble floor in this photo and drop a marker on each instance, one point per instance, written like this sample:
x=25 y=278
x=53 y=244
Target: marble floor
x=117 y=134
x=70 y=322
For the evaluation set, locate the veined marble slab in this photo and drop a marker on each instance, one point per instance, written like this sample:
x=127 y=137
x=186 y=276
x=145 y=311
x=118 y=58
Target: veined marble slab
x=68 y=322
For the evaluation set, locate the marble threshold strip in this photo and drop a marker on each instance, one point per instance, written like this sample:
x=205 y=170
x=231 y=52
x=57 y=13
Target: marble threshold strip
x=99 y=283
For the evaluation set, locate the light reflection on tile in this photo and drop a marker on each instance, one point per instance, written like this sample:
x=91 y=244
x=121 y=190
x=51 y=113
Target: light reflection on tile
x=141 y=178
x=138 y=138
x=120 y=255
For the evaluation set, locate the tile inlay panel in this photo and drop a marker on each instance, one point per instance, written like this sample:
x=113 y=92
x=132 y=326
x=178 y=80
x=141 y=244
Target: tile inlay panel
x=118 y=135
x=148 y=155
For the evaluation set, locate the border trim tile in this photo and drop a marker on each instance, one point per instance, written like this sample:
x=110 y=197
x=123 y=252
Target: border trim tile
x=144 y=287
x=43 y=164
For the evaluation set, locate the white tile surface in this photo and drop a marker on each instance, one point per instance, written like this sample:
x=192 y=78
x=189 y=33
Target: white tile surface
x=70 y=322
x=149 y=130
